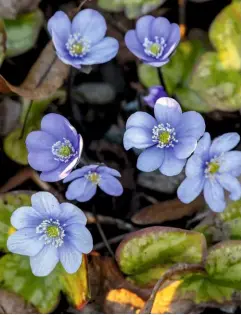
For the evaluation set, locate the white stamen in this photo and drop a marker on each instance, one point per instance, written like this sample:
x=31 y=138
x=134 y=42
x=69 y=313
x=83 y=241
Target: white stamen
x=159 y=45
x=77 y=45
x=60 y=145
x=55 y=241
x=158 y=130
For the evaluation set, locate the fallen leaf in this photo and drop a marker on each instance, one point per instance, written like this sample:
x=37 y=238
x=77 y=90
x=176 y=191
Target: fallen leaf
x=45 y=77
x=11 y=303
x=11 y=8
x=9 y=115
x=167 y=211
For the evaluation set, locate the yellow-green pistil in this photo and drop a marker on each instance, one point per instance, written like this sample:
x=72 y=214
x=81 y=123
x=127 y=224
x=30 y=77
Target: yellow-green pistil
x=94 y=178
x=155 y=49
x=164 y=137
x=65 y=151
x=213 y=167
x=52 y=231
x=78 y=49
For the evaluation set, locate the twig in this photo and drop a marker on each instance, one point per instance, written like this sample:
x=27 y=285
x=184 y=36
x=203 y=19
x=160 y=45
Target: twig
x=177 y=269
x=102 y=234
x=113 y=240
x=161 y=79
x=182 y=17
x=26 y=120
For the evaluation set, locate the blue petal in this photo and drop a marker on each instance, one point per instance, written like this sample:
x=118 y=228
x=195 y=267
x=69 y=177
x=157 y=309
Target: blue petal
x=42 y=160
x=25 y=242
x=161 y=28
x=89 y=192
x=80 y=237
x=59 y=27
x=171 y=166
x=47 y=204
x=231 y=184
x=80 y=173
x=26 y=217
x=143 y=27
x=203 y=145
x=230 y=161
x=140 y=138
x=40 y=140
x=195 y=166
x=81 y=189
x=214 y=195
x=71 y=214
x=156 y=64
x=185 y=147
x=45 y=261
x=141 y=119
x=108 y=170
x=190 y=188
x=70 y=257
x=110 y=185
x=150 y=159
x=134 y=45
x=102 y=52
x=173 y=40
x=224 y=143
x=191 y=124
x=90 y=24
x=167 y=110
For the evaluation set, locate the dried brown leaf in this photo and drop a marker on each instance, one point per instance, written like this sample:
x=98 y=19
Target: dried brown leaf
x=167 y=211
x=9 y=9
x=45 y=77
x=11 y=303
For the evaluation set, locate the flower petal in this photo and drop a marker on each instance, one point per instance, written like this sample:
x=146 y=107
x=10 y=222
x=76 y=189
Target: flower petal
x=156 y=64
x=102 y=52
x=171 y=165
x=143 y=27
x=108 y=170
x=231 y=184
x=214 y=195
x=140 y=138
x=80 y=237
x=80 y=172
x=185 y=147
x=25 y=217
x=230 y=161
x=141 y=120
x=90 y=24
x=45 y=261
x=47 y=204
x=110 y=185
x=70 y=257
x=195 y=166
x=191 y=124
x=42 y=160
x=150 y=159
x=190 y=188
x=160 y=28
x=71 y=214
x=167 y=110
x=203 y=145
x=224 y=143
x=82 y=189
x=134 y=45
x=173 y=40
x=25 y=242
x=39 y=140
x=88 y=194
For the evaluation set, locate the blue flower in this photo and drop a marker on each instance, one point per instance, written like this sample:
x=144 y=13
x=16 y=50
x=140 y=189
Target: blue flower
x=153 y=40
x=211 y=169
x=86 y=179
x=168 y=139
x=49 y=233
x=155 y=92
x=82 y=42
x=56 y=149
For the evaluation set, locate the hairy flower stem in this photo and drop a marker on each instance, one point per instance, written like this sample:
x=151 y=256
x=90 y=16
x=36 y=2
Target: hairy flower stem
x=26 y=120
x=160 y=74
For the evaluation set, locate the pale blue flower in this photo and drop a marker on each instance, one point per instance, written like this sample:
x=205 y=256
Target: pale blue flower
x=49 y=233
x=155 y=92
x=211 y=169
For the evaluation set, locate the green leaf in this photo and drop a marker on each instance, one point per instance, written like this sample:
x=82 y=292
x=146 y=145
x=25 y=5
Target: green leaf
x=223 y=263
x=219 y=88
x=16 y=276
x=111 y=5
x=225 y=35
x=22 y=33
x=148 y=75
x=9 y=202
x=190 y=100
x=153 y=246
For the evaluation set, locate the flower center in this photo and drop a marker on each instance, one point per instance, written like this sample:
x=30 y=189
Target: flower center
x=77 y=45
x=63 y=150
x=164 y=136
x=212 y=167
x=93 y=177
x=156 y=48
x=52 y=232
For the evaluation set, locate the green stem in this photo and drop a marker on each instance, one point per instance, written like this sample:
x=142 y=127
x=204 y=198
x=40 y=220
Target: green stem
x=26 y=120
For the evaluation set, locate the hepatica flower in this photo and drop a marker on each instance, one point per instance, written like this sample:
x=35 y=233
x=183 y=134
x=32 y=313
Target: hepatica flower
x=155 y=92
x=86 y=179
x=153 y=40
x=55 y=149
x=211 y=169
x=168 y=139
x=49 y=233
x=82 y=42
